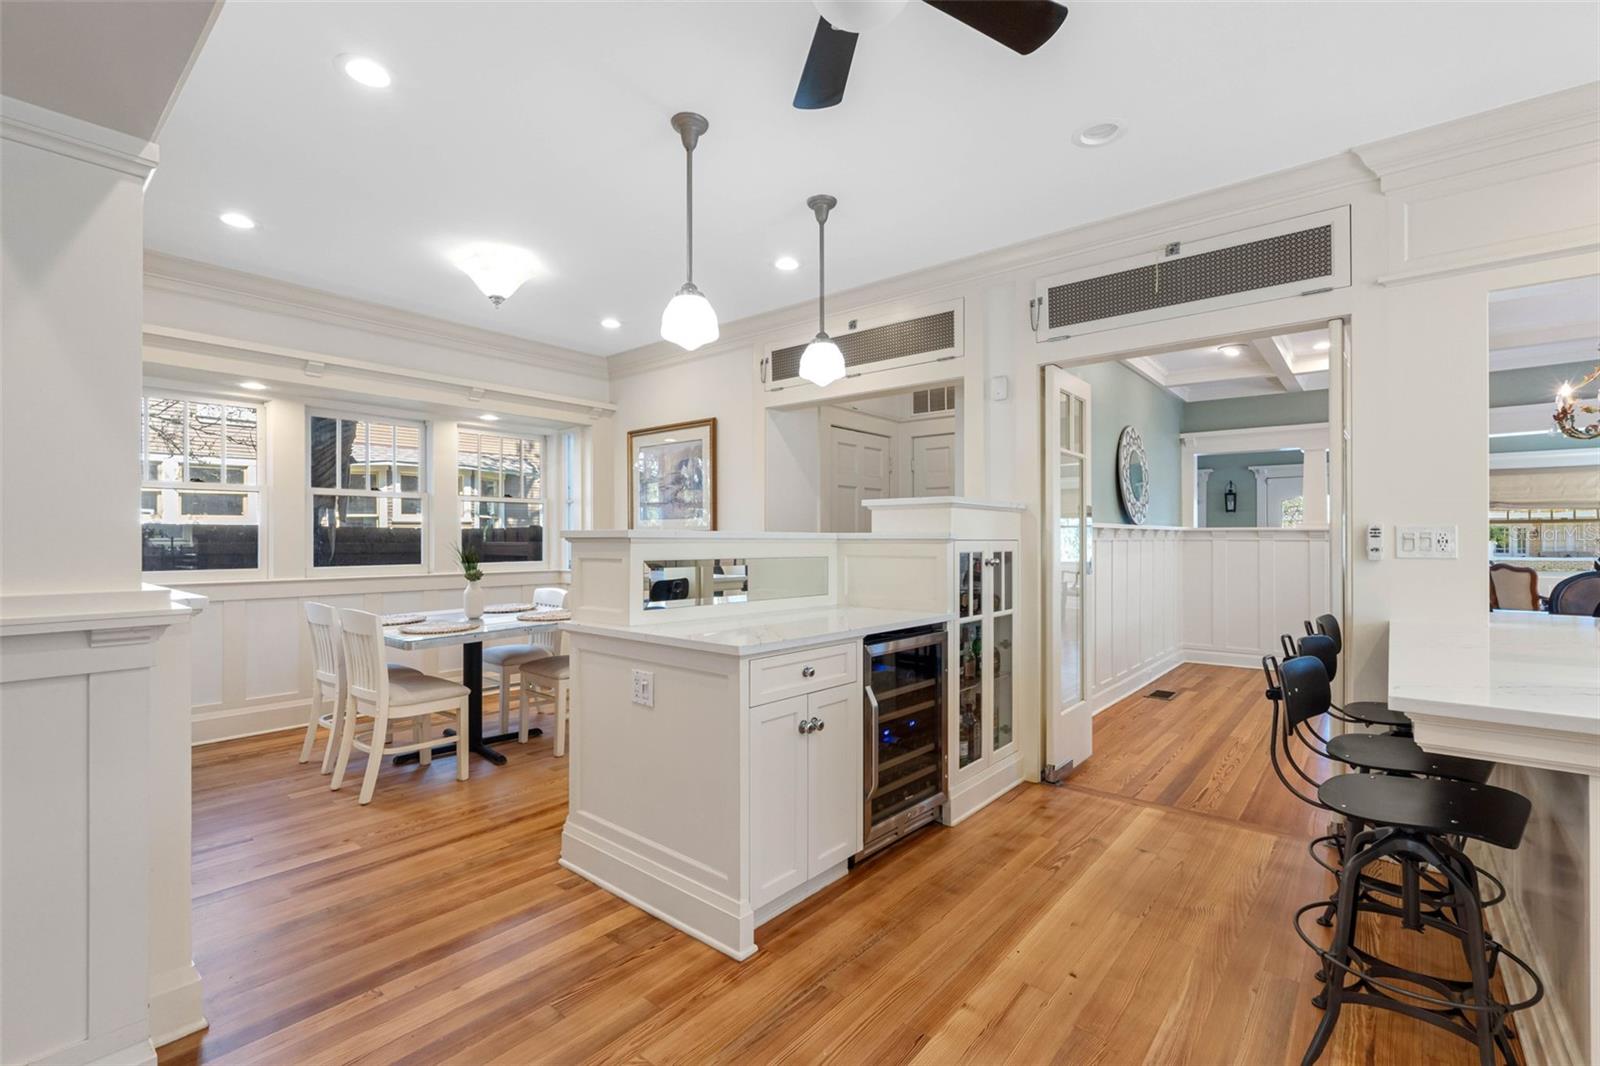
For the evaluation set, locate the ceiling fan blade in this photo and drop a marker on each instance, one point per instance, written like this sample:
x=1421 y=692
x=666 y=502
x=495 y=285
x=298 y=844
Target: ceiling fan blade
x=827 y=68
x=1020 y=25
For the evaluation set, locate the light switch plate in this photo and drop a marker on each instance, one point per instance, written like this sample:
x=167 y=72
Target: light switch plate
x=644 y=688
x=1426 y=542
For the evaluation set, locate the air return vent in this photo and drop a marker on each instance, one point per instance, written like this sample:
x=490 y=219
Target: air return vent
x=921 y=338
x=933 y=401
x=1292 y=258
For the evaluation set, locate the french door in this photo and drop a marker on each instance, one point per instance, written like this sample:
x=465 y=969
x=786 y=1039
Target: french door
x=1067 y=548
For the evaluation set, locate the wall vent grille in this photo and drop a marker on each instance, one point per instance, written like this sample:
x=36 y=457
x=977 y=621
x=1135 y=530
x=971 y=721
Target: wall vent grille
x=932 y=401
x=897 y=340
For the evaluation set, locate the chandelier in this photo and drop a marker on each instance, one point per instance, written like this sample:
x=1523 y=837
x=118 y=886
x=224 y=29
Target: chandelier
x=1567 y=404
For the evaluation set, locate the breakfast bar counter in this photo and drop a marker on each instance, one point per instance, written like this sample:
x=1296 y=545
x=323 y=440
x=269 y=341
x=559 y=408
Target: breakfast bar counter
x=1522 y=690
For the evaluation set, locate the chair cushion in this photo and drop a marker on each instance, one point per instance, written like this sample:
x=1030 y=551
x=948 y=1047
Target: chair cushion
x=550 y=668
x=508 y=654
x=396 y=670
x=405 y=690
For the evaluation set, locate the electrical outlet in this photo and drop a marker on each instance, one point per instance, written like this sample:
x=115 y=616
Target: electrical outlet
x=644 y=688
x=1425 y=542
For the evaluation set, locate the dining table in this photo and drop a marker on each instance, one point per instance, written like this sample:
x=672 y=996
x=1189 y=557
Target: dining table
x=489 y=627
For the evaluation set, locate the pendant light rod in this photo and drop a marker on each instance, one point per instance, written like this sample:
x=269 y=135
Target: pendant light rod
x=689 y=126
x=820 y=205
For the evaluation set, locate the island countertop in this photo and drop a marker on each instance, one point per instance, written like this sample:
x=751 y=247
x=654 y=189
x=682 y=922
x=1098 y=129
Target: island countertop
x=759 y=634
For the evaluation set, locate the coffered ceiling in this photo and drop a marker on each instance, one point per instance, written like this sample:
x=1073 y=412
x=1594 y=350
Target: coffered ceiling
x=545 y=125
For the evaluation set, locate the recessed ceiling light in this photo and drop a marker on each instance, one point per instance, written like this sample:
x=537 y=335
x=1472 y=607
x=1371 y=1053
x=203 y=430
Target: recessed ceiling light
x=786 y=262
x=253 y=386
x=1321 y=346
x=1097 y=134
x=364 y=71
x=610 y=323
x=237 y=219
x=1232 y=351
x=487 y=417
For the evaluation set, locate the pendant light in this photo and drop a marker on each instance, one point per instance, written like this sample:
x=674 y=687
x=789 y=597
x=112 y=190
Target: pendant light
x=689 y=320
x=822 y=363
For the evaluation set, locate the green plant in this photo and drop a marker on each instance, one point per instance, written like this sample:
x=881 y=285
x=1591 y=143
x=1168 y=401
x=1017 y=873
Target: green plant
x=469 y=557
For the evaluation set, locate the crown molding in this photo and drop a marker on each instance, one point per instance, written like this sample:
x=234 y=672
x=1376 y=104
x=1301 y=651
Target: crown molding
x=188 y=277
x=51 y=131
x=1560 y=121
x=1142 y=228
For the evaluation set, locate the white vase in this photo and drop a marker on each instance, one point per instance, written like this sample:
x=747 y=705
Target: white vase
x=472 y=600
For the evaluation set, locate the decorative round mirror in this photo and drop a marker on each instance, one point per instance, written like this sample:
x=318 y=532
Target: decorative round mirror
x=1133 y=475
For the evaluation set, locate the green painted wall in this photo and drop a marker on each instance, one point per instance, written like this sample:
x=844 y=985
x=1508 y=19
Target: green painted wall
x=1121 y=398
x=1235 y=467
x=1245 y=412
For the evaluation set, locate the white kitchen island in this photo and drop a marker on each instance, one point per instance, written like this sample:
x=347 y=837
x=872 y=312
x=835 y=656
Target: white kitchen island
x=1522 y=689
x=720 y=731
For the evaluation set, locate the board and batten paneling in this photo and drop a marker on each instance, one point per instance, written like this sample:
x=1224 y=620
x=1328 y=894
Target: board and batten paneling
x=1134 y=608
x=1243 y=588
x=252 y=651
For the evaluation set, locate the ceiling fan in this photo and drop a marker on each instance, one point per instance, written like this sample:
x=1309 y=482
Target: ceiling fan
x=1020 y=25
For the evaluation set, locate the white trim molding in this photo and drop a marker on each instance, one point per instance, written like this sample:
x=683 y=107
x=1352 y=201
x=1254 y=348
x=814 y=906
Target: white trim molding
x=39 y=127
x=1264 y=474
x=1544 y=458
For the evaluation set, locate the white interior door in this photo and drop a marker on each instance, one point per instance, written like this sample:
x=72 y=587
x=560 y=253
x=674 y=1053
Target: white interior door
x=1068 y=547
x=933 y=465
x=860 y=472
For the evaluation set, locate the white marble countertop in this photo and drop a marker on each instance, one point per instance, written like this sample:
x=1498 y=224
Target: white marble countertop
x=764 y=633
x=1507 y=673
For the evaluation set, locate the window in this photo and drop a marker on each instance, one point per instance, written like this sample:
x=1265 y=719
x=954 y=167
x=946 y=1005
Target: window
x=1294 y=512
x=199 y=498
x=500 y=481
x=367 y=503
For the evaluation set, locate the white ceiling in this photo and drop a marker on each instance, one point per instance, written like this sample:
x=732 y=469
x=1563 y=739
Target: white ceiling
x=1264 y=366
x=545 y=125
x=1544 y=325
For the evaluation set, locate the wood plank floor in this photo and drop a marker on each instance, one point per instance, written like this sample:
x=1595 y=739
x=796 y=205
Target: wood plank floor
x=1138 y=914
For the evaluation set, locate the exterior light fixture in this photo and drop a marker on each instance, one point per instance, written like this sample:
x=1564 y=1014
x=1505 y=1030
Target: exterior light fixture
x=1230 y=500
x=689 y=321
x=822 y=363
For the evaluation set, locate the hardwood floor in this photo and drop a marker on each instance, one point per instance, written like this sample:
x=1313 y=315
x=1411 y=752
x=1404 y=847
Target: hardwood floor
x=1140 y=913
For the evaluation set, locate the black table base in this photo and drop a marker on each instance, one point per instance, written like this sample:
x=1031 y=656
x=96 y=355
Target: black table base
x=472 y=677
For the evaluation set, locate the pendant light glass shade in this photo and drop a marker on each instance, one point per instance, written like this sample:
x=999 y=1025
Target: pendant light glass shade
x=689 y=320
x=822 y=363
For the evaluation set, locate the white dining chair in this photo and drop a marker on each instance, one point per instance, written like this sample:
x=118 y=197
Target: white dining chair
x=328 y=690
x=387 y=697
x=507 y=660
x=547 y=681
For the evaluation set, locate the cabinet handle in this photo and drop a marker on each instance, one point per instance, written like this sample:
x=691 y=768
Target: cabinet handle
x=805 y=726
x=809 y=671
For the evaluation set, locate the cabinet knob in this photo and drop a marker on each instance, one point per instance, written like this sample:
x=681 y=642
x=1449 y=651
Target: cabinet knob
x=809 y=671
x=817 y=725
x=805 y=725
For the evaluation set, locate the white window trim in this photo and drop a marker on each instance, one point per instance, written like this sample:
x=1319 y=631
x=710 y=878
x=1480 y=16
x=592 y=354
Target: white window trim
x=547 y=521
x=1264 y=474
x=256 y=498
x=425 y=452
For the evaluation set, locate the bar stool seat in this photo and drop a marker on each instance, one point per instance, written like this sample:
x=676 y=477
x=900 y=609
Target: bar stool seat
x=1493 y=815
x=1397 y=755
x=1374 y=713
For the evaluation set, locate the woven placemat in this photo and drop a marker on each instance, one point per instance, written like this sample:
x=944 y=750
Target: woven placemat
x=507 y=608
x=403 y=618
x=544 y=616
x=438 y=629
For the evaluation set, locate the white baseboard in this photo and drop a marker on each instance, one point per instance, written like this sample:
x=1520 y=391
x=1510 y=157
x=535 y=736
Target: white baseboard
x=1102 y=698
x=977 y=794
x=1250 y=660
x=176 y=1005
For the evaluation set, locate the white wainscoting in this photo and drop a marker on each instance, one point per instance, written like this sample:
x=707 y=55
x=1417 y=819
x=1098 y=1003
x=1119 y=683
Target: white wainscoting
x=252 y=651
x=1242 y=588
x=1135 y=608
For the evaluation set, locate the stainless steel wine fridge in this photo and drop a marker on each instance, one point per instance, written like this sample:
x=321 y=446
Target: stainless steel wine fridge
x=905 y=731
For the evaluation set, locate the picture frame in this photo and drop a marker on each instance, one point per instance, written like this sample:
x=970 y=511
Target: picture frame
x=672 y=476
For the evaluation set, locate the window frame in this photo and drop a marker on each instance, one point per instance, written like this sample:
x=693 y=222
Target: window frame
x=547 y=441
x=253 y=492
x=424 y=430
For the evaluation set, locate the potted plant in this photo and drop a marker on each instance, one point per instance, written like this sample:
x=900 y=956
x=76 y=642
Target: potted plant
x=472 y=596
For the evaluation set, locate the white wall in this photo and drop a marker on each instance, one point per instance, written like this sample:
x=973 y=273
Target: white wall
x=1136 y=608
x=1243 y=588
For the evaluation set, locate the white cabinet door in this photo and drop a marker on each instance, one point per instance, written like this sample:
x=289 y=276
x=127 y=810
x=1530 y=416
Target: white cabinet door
x=778 y=786
x=834 y=754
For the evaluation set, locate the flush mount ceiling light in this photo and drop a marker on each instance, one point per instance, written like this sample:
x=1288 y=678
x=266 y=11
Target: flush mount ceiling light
x=1232 y=351
x=822 y=363
x=1097 y=134
x=364 y=71
x=487 y=417
x=689 y=320
x=1321 y=346
x=498 y=270
x=610 y=323
x=237 y=219
x=786 y=263
x=253 y=386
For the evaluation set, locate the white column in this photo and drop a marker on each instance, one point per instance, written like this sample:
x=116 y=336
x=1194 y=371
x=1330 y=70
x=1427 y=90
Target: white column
x=1314 y=485
x=1194 y=512
x=444 y=510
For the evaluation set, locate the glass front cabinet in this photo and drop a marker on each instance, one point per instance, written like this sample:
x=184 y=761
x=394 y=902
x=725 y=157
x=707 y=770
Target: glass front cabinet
x=982 y=729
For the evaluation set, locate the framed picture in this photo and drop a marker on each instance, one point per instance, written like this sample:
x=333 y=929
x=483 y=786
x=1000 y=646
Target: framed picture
x=673 y=479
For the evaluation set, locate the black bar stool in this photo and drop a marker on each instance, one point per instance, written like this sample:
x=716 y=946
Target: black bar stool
x=1365 y=712
x=1418 y=822
x=1369 y=712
